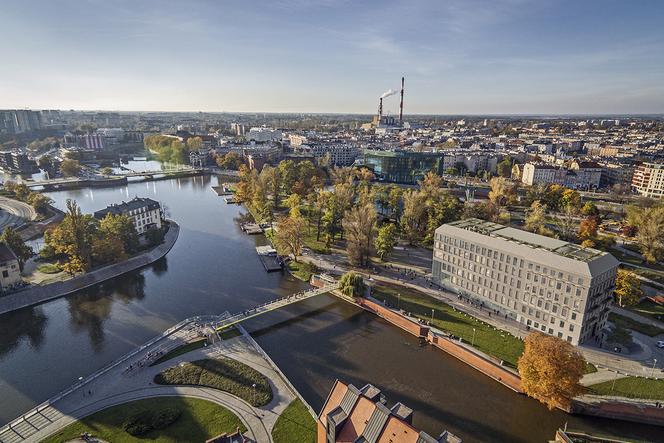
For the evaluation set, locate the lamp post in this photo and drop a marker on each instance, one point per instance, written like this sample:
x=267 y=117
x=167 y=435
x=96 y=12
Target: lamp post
x=431 y=315
x=652 y=373
x=399 y=301
x=253 y=386
x=472 y=343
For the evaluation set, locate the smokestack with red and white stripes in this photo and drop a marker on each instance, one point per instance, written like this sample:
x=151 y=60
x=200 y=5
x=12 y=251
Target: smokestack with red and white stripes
x=401 y=104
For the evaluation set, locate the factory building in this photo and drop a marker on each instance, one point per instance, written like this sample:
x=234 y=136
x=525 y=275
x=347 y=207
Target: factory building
x=545 y=284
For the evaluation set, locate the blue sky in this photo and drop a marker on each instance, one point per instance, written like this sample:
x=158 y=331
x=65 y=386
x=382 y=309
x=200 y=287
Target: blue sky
x=458 y=56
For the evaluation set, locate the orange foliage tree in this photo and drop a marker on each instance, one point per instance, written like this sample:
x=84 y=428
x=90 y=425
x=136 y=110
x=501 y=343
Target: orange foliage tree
x=550 y=370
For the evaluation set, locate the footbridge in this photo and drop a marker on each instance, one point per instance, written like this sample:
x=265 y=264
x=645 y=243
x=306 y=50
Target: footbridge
x=24 y=428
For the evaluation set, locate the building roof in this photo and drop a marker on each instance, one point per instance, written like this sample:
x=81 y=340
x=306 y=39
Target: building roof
x=569 y=257
x=6 y=253
x=124 y=207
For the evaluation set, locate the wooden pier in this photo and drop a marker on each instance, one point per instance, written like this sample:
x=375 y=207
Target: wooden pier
x=251 y=228
x=269 y=258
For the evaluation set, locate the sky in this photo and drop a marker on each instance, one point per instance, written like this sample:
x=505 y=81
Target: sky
x=334 y=56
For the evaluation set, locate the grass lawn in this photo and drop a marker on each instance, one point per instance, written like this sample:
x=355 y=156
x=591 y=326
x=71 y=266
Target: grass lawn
x=309 y=240
x=224 y=374
x=632 y=387
x=657 y=276
x=495 y=342
x=49 y=268
x=650 y=309
x=590 y=368
x=226 y=335
x=295 y=424
x=627 y=323
x=303 y=271
x=200 y=420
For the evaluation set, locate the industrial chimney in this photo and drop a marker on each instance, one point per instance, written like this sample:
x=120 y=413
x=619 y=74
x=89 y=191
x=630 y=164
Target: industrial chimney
x=380 y=109
x=401 y=104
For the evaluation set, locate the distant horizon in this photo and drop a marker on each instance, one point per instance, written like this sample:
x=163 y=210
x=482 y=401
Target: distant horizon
x=459 y=57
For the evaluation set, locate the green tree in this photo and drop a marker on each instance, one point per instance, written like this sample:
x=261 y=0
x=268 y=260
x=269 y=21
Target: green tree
x=352 y=285
x=122 y=228
x=293 y=203
x=504 y=168
x=107 y=249
x=359 y=226
x=40 y=202
x=386 y=240
x=194 y=143
x=589 y=209
x=289 y=175
x=288 y=238
x=73 y=237
x=231 y=160
x=70 y=168
x=13 y=240
x=628 y=290
x=649 y=223
x=536 y=217
x=394 y=202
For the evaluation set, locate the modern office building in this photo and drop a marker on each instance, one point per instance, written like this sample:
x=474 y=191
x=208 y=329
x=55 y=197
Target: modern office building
x=648 y=180
x=546 y=284
x=401 y=166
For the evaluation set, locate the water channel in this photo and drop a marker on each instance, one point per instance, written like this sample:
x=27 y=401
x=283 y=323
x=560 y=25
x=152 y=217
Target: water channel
x=214 y=268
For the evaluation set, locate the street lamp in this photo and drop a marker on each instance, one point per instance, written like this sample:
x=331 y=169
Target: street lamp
x=472 y=343
x=254 y=393
x=431 y=315
x=652 y=373
x=399 y=301
x=181 y=366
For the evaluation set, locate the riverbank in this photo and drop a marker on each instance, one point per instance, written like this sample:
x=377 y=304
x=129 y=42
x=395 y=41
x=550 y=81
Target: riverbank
x=39 y=294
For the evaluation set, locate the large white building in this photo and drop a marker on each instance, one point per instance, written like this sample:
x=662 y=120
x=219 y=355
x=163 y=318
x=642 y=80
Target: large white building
x=546 y=284
x=341 y=154
x=648 y=180
x=144 y=212
x=264 y=134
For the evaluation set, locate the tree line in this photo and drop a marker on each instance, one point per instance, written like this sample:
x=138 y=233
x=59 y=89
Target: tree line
x=171 y=149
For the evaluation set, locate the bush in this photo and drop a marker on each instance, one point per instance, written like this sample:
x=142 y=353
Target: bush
x=155 y=236
x=49 y=268
x=144 y=422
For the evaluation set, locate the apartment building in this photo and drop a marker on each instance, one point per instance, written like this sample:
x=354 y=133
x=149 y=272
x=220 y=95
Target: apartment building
x=341 y=154
x=144 y=212
x=648 y=180
x=546 y=284
x=542 y=173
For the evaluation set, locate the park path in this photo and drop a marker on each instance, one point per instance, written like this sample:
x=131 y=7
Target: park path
x=121 y=385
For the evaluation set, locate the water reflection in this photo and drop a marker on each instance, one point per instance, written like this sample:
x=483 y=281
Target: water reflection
x=89 y=309
x=160 y=267
x=26 y=323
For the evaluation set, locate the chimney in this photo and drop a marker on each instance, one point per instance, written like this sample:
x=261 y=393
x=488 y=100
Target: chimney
x=380 y=109
x=401 y=104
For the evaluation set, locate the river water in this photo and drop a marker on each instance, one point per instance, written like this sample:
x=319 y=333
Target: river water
x=213 y=268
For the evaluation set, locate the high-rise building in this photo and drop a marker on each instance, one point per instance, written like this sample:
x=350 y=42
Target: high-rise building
x=18 y=121
x=648 y=179
x=546 y=284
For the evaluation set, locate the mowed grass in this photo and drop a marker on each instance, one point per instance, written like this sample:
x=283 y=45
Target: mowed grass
x=295 y=424
x=495 y=342
x=302 y=271
x=649 y=308
x=631 y=387
x=49 y=268
x=623 y=322
x=224 y=374
x=200 y=420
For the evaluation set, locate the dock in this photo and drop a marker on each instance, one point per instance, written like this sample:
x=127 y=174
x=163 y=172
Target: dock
x=269 y=258
x=223 y=190
x=251 y=228
x=230 y=200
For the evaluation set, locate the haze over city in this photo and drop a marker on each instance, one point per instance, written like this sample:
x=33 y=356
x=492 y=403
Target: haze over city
x=460 y=57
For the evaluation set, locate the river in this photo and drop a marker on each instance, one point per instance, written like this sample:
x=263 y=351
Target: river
x=213 y=268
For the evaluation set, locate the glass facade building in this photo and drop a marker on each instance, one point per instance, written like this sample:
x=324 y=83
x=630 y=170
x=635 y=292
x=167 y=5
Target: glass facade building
x=402 y=166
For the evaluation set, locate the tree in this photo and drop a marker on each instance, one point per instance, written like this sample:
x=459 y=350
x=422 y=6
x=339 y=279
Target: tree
x=106 y=171
x=288 y=237
x=13 y=240
x=293 y=203
x=359 y=226
x=40 y=202
x=352 y=284
x=386 y=240
x=394 y=202
x=550 y=370
x=70 y=168
x=73 y=237
x=194 y=143
x=503 y=192
x=122 y=228
x=289 y=175
x=414 y=218
x=649 y=223
x=570 y=198
x=231 y=160
x=504 y=168
x=587 y=233
x=536 y=217
x=107 y=249
x=566 y=222
x=628 y=290
x=589 y=209
x=45 y=162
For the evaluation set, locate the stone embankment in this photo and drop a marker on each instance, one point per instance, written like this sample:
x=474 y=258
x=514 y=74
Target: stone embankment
x=40 y=294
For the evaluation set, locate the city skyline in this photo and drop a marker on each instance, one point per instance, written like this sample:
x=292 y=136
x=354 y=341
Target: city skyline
x=508 y=57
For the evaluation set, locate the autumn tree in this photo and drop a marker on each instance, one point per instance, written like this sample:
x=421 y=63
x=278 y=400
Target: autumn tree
x=352 y=284
x=70 y=168
x=550 y=370
x=194 y=143
x=587 y=233
x=386 y=240
x=649 y=224
x=504 y=168
x=359 y=226
x=40 y=202
x=231 y=160
x=122 y=228
x=73 y=237
x=288 y=237
x=503 y=191
x=536 y=218
x=13 y=240
x=628 y=290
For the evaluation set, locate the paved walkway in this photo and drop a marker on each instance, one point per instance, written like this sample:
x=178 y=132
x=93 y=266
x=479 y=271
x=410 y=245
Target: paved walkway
x=120 y=385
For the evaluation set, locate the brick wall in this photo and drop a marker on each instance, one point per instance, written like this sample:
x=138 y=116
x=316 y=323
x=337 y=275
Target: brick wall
x=632 y=411
x=395 y=318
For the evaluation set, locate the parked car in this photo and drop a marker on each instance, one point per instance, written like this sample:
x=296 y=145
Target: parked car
x=660 y=344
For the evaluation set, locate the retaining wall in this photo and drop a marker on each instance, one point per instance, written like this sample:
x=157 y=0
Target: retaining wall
x=635 y=411
x=40 y=294
x=394 y=317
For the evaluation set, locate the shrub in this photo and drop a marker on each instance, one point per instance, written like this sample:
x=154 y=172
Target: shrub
x=144 y=422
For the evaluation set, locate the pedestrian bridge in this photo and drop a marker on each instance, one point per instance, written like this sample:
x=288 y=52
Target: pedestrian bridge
x=24 y=427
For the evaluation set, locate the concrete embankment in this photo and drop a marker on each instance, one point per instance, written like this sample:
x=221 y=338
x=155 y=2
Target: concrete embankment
x=40 y=294
x=618 y=408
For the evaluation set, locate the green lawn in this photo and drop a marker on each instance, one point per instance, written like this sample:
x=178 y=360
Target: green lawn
x=224 y=374
x=309 y=240
x=590 y=368
x=632 y=387
x=650 y=309
x=200 y=420
x=301 y=270
x=295 y=424
x=49 y=268
x=651 y=274
x=627 y=323
x=226 y=335
x=495 y=342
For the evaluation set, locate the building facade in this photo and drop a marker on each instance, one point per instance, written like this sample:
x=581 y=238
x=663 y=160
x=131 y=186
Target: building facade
x=144 y=212
x=341 y=154
x=546 y=284
x=402 y=166
x=10 y=272
x=648 y=180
